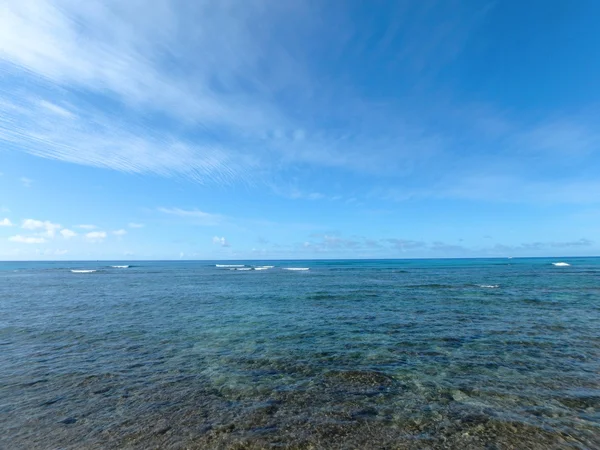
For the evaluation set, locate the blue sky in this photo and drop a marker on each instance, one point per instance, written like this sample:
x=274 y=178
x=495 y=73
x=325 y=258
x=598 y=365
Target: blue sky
x=299 y=129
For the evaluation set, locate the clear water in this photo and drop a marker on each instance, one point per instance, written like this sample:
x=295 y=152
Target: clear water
x=350 y=354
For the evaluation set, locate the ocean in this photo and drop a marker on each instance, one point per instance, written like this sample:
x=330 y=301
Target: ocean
x=464 y=353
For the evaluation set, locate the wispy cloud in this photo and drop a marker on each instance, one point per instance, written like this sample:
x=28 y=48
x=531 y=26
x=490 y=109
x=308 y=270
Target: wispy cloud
x=220 y=241
x=120 y=232
x=539 y=246
x=67 y=234
x=405 y=244
x=87 y=227
x=27 y=239
x=517 y=190
x=563 y=137
x=198 y=216
x=27 y=182
x=5 y=223
x=136 y=225
x=61 y=42
x=184 y=91
x=496 y=186
x=335 y=243
x=49 y=227
x=96 y=236
x=247 y=130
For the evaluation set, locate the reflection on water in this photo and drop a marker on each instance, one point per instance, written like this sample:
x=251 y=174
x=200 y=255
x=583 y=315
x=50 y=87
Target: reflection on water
x=388 y=354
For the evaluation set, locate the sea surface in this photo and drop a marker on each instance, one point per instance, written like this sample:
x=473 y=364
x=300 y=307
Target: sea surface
x=468 y=354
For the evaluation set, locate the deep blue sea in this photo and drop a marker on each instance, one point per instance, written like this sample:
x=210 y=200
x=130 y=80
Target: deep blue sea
x=471 y=353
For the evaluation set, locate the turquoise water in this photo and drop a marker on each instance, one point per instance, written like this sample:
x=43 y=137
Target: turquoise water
x=493 y=353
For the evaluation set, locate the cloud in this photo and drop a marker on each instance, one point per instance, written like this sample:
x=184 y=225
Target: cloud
x=200 y=217
x=49 y=227
x=137 y=59
x=538 y=246
x=372 y=243
x=184 y=91
x=405 y=244
x=333 y=243
x=220 y=241
x=27 y=182
x=5 y=223
x=56 y=109
x=490 y=185
x=67 y=234
x=235 y=120
x=96 y=236
x=120 y=232
x=579 y=243
x=452 y=249
x=295 y=193
x=574 y=139
x=136 y=225
x=515 y=190
x=27 y=239
x=87 y=227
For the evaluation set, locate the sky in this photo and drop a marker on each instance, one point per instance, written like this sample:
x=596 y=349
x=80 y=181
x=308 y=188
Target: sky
x=266 y=129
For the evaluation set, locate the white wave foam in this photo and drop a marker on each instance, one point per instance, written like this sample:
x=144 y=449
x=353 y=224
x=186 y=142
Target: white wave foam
x=229 y=265
x=241 y=268
x=120 y=267
x=82 y=270
x=264 y=267
x=489 y=286
x=561 y=264
x=296 y=268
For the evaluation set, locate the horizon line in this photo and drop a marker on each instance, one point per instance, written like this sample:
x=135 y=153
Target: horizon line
x=298 y=259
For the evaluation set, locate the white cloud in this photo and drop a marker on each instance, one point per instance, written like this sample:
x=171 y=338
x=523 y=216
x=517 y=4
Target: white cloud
x=49 y=227
x=56 y=109
x=136 y=225
x=87 y=227
x=226 y=92
x=70 y=38
x=5 y=223
x=27 y=239
x=150 y=63
x=575 y=139
x=27 y=182
x=67 y=234
x=201 y=217
x=96 y=236
x=32 y=224
x=220 y=241
x=120 y=232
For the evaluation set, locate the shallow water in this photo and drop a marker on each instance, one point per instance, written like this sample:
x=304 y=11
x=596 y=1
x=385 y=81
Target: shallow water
x=349 y=354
